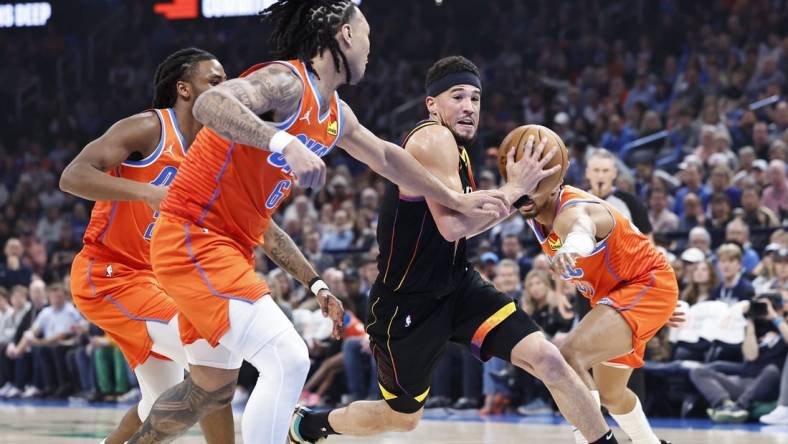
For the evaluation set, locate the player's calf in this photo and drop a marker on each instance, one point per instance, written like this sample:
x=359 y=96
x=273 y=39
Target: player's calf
x=179 y=408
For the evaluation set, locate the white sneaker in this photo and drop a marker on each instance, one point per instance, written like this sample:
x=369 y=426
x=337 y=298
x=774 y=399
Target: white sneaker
x=132 y=395
x=13 y=392
x=778 y=416
x=5 y=389
x=31 y=392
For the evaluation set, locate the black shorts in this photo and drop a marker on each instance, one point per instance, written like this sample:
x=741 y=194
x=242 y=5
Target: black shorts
x=408 y=336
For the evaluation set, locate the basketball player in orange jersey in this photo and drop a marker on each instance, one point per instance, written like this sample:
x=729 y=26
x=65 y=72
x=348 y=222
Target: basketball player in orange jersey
x=428 y=294
x=265 y=132
x=126 y=171
x=632 y=289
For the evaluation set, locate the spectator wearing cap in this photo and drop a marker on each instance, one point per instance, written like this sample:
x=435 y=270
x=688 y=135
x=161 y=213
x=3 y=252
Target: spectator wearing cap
x=692 y=178
x=487 y=180
x=734 y=286
x=689 y=260
x=765 y=272
x=775 y=196
x=779 y=280
x=662 y=219
x=737 y=231
x=488 y=262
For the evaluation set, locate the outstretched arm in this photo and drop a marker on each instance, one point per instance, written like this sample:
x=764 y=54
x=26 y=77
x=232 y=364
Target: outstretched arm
x=577 y=226
x=279 y=246
x=395 y=164
x=232 y=110
x=86 y=176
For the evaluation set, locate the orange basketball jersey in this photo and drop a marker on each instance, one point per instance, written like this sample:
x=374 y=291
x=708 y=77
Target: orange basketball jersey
x=120 y=230
x=233 y=188
x=624 y=256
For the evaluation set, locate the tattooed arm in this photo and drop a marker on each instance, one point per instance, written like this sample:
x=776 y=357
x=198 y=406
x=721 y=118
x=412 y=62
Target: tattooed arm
x=279 y=246
x=232 y=110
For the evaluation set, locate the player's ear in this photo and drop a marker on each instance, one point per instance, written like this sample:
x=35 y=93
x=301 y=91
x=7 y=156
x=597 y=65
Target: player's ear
x=346 y=34
x=184 y=90
x=431 y=106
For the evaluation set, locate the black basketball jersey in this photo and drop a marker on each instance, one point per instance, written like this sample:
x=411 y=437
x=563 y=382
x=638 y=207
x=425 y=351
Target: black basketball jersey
x=415 y=259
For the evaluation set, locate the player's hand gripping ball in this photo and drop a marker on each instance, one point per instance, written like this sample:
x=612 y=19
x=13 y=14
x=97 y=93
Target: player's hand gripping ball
x=519 y=137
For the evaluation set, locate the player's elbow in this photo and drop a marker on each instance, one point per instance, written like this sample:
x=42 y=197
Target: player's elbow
x=68 y=179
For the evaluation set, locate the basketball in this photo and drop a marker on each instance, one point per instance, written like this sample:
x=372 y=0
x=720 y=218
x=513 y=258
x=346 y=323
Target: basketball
x=519 y=137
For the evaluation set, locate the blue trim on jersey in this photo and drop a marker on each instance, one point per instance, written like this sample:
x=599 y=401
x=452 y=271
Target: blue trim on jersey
x=218 y=179
x=202 y=272
x=178 y=133
x=315 y=91
x=131 y=316
x=154 y=156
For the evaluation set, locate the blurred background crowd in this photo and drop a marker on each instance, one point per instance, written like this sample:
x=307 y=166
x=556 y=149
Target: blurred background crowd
x=674 y=112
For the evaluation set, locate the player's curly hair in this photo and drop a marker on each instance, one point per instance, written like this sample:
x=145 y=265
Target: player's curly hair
x=179 y=65
x=304 y=28
x=449 y=65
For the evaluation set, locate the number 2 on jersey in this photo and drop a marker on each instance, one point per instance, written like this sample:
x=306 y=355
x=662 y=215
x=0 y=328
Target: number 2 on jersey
x=164 y=179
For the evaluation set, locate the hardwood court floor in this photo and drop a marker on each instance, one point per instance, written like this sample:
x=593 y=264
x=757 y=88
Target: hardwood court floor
x=54 y=423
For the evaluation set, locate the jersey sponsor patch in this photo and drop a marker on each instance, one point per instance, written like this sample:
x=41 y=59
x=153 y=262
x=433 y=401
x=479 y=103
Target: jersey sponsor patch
x=333 y=128
x=554 y=244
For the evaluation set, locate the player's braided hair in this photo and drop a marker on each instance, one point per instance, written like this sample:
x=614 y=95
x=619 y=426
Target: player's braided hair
x=304 y=28
x=179 y=65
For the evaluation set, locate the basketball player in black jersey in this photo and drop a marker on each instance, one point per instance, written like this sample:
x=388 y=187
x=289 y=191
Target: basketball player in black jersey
x=428 y=294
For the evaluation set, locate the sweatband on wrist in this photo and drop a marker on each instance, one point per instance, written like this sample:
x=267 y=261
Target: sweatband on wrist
x=316 y=285
x=280 y=140
x=777 y=321
x=579 y=243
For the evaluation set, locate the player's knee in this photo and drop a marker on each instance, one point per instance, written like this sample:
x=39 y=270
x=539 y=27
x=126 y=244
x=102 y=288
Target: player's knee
x=573 y=357
x=295 y=354
x=550 y=365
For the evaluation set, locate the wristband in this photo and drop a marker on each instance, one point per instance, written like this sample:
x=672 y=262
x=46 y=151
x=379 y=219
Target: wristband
x=280 y=140
x=777 y=321
x=317 y=284
x=521 y=201
x=580 y=243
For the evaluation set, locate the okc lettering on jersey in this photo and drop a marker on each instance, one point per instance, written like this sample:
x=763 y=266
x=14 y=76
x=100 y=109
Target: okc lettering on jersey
x=584 y=287
x=278 y=160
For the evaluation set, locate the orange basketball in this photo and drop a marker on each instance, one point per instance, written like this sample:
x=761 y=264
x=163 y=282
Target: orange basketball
x=519 y=137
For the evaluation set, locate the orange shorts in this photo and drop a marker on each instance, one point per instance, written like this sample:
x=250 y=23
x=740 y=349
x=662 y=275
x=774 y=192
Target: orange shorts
x=202 y=271
x=120 y=300
x=646 y=306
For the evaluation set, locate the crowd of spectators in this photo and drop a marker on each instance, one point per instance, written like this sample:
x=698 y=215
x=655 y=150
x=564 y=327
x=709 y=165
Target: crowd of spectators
x=705 y=80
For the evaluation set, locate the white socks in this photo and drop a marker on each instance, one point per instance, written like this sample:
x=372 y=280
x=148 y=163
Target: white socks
x=579 y=438
x=635 y=424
